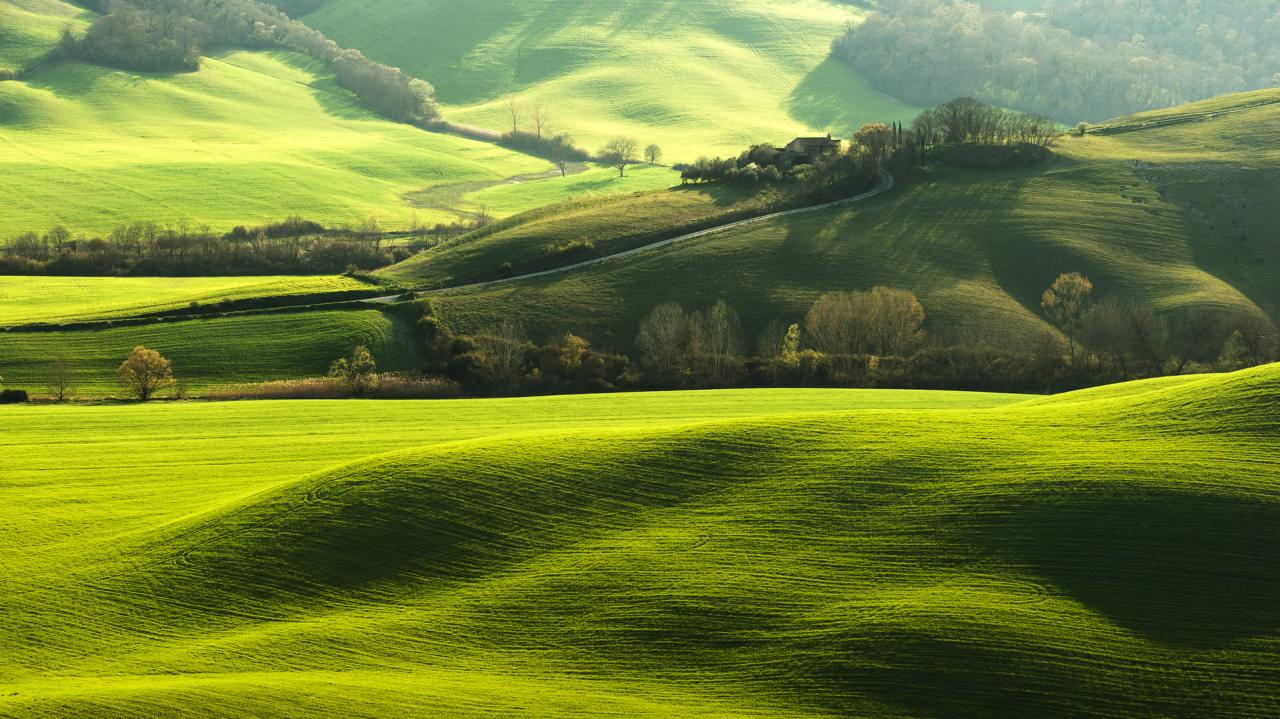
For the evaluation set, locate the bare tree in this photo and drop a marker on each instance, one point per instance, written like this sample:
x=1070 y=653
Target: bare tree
x=619 y=152
x=562 y=153
x=715 y=338
x=653 y=154
x=663 y=341
x=504 y=347
x=62 y=377
x=540 y=117
x=515 y=110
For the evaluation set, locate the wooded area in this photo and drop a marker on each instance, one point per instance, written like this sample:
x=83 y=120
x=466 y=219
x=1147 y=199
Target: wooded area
x=1078 y=60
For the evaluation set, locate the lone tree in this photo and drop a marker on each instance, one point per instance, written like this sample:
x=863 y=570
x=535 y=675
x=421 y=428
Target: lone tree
x=61 y=378
x=1066 y=303
x=356 y=372
x=145 y=372
x=620 y=152
x=653 y=154
x=515 y=110
x=541 y=117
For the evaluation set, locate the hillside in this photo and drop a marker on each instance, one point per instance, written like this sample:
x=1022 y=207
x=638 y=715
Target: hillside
x=1107 y=555
x=1174 y=216
x=696 y=77
x=30 y=29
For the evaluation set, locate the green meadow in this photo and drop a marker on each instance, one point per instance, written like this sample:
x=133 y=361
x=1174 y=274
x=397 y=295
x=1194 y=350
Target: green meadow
x=694 y=76
x=26 y=300
x=794 y=553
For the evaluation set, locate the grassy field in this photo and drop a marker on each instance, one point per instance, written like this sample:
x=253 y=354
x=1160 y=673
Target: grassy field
x=68 y=299
x=210 y=352
x=776 y=553
x=697 y=77
x=570 y=232
x=30 y=29
x=248 y=139
x=1174 y=217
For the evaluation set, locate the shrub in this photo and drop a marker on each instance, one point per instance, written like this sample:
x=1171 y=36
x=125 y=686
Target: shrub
x=13 y=396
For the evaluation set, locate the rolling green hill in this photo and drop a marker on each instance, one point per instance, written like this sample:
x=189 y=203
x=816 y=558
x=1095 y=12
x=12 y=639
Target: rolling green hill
x=1174 y=216
x=30 y=29
x=695 y=76
x=1110 y=554
x=565 y=233
x=248 y=139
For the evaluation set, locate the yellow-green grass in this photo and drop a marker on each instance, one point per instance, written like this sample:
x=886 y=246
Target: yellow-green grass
x=511 y=198
x=249 y=138
x=567 y=233
x=66 y=299
x=30 y=29
x=210 y=352
x=1106 y=556
x=694 y=76
x=1173 y=217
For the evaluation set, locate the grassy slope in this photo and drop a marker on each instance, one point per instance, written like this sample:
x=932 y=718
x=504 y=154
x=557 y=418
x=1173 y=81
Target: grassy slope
x=30 y=29
x=694 y=76
x=251 y=137
x=66 y=299
x=1175 y=216
x=1110 y=555
x=219 y=351
x=537 y=240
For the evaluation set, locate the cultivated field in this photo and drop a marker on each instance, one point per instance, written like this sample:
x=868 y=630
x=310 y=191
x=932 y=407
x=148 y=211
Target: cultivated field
x=695 y=76
x=710 y=554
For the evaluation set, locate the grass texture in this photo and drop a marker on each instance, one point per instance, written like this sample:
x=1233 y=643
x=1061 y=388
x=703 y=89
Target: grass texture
x=1110 y=553
x=1172 y=217
x=694 y=76
x=67 y=299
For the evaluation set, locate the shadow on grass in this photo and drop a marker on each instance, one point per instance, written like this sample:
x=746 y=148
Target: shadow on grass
x=1175 y=566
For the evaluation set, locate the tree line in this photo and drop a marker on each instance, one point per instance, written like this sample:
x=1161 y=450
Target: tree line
x=171 y=35
x=866 y=338
x=1077 y=60
x=292 y=246
x=871 y=338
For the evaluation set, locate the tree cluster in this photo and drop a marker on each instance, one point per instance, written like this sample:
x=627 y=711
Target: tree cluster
x=170 y=35
x=966 y=120
x=1079 y=59
x=858 y=167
